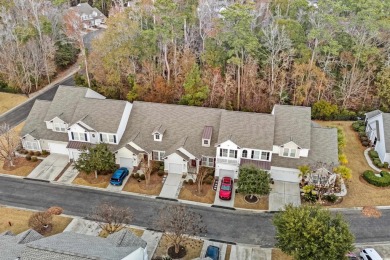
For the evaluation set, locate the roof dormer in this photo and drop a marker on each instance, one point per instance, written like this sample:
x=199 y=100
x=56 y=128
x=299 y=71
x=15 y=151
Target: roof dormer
x=158 y=133
x=206 y=136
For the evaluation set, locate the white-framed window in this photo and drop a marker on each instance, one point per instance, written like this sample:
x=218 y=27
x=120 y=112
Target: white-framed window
x=228 y=153
x=290 y=152
x=59 y=127
x=207 y=161
x=264 y=156
x=255 y=155
x=31 y=145
x=244 y=154
x=206 y=142
x=76 y=136
x=157 y=136
x=108 y=138
x=158 y=155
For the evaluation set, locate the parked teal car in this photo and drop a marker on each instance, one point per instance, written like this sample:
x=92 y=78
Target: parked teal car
x=118 y=176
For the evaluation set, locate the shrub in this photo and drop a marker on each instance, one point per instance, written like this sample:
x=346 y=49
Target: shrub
x=355 y=126
x=362 y=129
x=160 y=173
x=386 y=165
x=373 y=154
x=209 y=180
x=331 y=198
x=28 y=157
x=380 y=165
x=142 y=176
x=363 y=138
x=190 y=181
x=324 y=110
x=25 y=152
x=371 y=178
x=42 y=222
x=136 y=175
x=346 y=115
x=37 y=153
x=44 y=152
x=344 y=171
x=31 y=153
x=310 y=197
x=185 y=181
x=362 y=133
x=376 y=161
x=343 y=159
x=22 y=151
x=365 y=143
x=34 y=158
x=55 y=210
x=184 y=176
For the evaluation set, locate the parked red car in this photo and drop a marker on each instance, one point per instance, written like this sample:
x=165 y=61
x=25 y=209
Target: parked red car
x=225 y=193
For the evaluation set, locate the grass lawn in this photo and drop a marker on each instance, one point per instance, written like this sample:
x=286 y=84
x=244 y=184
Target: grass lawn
x=194 y=248
x=136 y=231
x=101 y=181
x=189 y=192
x=8 y=101
x=154 y=188
x=22 y=167
x=19 y=220
x=239 y=202
x=359 y=193
x=277 y=254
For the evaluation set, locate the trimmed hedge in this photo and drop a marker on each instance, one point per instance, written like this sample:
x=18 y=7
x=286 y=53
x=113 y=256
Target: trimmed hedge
x=373 y=154
x=371 y=178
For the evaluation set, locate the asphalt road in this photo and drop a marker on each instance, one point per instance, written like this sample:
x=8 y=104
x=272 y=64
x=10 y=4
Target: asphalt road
x=20 y=114
x=227 y=225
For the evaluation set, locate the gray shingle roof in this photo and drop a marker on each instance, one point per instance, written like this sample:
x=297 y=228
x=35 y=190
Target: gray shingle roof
x=28 y=236
x=372 y=113
x=85 y=8
x=250 y=130
x=292 y=123
x=11 y=247
x=81 y=246
x=126 y=238
x=183 y=127
x=323 y=149
x=103 y=115
x=386 y=130
x=35 y=125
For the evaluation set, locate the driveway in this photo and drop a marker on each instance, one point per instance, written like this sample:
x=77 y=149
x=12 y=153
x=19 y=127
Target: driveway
x=224 y=203
x=283 y=193
x=69 y=175
x=248 y=253
x=111 y=187
x=50 y=167
x=83 y=226
x=171 y=186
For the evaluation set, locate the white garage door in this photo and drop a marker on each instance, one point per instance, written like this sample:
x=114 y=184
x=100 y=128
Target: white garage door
x=175 y=168
x=126 y=162
x=226 y=173
x=58 y=148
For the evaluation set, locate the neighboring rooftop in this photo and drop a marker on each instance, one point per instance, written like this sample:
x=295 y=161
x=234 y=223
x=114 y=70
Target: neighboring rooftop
x=85 y=8
x=372 y=113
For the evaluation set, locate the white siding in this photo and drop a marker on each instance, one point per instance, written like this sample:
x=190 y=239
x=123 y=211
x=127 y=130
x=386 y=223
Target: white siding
x=220 y=167
x=380 y=145
x=175 y=159
x=30 y=139
x=78 y=129
x=123 y=123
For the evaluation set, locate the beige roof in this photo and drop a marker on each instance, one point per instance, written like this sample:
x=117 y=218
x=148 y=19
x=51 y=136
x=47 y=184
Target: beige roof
x=323 y=149
x=250 y=130
x=292 y=123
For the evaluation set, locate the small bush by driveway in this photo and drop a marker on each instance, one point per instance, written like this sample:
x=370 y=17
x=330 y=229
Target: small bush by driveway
x=22 y=167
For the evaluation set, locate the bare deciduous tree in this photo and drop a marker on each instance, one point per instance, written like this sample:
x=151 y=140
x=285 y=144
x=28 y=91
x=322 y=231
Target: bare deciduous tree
x=42 y=222
x=111 y=218
x=9 y=141
x=202 y=174
x=179 y=223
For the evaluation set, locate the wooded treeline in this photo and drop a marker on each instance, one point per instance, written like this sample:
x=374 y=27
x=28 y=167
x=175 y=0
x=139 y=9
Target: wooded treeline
x=33 y=46
x=247 y=56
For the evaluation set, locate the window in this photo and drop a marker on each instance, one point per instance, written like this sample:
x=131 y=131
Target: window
x=223 y=152
x=244 y=153
x=233 y=153
x=205 y=142
x=108 y=138
x=207 y=161
x=290 y=152
x=79 y=136
x=31 y=145
x=265 y=156
x=59 y=127
x=256 y=155
x=157 y=136
x=158 y=155
x=228 y=153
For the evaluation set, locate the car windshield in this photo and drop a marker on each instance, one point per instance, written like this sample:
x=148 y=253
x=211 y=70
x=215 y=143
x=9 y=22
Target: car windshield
x=114 y=179
x=225 y=187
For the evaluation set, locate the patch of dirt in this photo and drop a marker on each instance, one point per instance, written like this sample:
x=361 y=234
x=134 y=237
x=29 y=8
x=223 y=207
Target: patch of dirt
x=359 y=193
x=261 y=204
x=182 y=252
x=251 y=199
x=193 y=247
x=22 y=167
x=277 y=254
x=371 y=212
x=85 y=179
x=190 y=192
x=154 y=187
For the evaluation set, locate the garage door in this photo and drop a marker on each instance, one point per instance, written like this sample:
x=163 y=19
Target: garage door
x=126 y=162
x=58 y=148
x=175 y=168
x=226 y=173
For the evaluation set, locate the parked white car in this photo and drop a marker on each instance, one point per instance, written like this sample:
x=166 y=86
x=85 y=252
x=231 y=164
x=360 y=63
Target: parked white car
x=370 y=254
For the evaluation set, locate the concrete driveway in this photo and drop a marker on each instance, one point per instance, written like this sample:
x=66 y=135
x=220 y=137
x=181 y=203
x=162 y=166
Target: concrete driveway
x=50 y=167
x=224 y=203
x=111 y=187
x=171 y=186
x=283 y=193
x=83 y=226
x=248 y=253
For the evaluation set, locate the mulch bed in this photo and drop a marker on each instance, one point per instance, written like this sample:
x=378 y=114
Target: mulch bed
x=19 y=162
x=194 y=189
x=91 y=177
x=153 y=182
x=182 y=252
x=248 y=199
